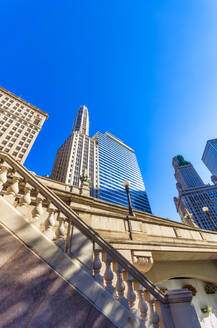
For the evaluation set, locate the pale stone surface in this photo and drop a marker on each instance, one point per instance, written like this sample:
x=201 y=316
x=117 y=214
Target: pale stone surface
x=70 y=270
x=200 y=300
x=33 y=295
x=203 y=270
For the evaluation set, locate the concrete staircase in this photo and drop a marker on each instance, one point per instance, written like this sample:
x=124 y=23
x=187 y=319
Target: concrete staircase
x=51 y=267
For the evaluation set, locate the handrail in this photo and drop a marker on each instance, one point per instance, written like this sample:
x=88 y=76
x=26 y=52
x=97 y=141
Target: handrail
x=74 y=219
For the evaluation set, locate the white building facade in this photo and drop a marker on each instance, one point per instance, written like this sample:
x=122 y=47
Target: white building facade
x=20 y=123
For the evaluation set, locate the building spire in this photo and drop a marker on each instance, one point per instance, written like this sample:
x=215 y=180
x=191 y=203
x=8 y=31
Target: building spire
x=81 y=122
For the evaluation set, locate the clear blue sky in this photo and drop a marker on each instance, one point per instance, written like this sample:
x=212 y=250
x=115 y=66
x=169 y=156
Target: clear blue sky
x=146 y=70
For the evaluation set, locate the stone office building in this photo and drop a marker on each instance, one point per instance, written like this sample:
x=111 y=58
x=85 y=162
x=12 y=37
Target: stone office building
x=20 y=123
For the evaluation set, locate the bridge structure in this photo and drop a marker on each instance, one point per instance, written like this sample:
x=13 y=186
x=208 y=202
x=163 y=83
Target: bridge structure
x=109 y=262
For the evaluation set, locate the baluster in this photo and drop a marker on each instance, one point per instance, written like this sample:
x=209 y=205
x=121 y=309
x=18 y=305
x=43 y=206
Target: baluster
x=3 y=174
x=38 y=211
x=26 y=199
x=49 y=232
x=24 y=203
x=13 y=188
x=120 y=285
x=108 y=276
x=154 y=315
x=97 y=264
x=142 y=305
x=131 y=296
x=60 y=242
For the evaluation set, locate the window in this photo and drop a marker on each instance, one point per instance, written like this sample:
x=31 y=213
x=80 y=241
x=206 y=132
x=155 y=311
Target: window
x=17 y=148
x=36 y=122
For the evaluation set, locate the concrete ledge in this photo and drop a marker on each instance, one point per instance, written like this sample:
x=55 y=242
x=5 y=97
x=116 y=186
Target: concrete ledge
x=70 y=270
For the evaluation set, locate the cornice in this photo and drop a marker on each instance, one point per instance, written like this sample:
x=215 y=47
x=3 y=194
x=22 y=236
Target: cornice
x=24 y=102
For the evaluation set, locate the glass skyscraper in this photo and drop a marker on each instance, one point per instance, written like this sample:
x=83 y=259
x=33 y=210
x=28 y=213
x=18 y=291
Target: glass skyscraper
x=194 y=194
x=116 y=163
x=210 y=156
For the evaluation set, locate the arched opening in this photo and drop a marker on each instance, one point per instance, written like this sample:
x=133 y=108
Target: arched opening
x=204 y=299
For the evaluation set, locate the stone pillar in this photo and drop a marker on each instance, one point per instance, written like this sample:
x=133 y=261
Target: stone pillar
x=85 y=188
x=180 y=310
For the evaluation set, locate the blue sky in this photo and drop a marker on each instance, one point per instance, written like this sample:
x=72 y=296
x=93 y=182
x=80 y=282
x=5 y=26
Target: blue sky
x=146 y=70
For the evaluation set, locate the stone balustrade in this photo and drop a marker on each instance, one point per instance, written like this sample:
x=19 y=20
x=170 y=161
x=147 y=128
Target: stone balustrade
x=56 y=220
x=62 y=225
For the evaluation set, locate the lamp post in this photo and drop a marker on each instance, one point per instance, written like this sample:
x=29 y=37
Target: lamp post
x=206 y=210
x=127 y=188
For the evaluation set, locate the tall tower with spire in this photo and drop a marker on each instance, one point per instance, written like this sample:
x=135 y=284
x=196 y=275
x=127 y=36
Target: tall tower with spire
x=81 y=122
x=77 y=154
x=194 y=195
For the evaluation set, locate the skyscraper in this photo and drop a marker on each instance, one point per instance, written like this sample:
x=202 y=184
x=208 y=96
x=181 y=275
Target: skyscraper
x=117 y=163
x=78 y=153
x=210 y=156
x=194 y=194
x=20 y=123
x=108 y=161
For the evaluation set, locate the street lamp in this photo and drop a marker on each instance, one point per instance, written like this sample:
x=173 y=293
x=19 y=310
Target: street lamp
x=127 y=188
x=206 y=210
x=126 y=185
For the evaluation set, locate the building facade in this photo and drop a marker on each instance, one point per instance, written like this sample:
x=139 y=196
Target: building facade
x=117 y=162
x=20 y=123
x=77 y=155
x=107 y=161
x=210 y=156
x=194 y=195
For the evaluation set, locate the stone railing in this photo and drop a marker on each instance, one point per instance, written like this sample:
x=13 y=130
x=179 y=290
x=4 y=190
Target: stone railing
x=56 y=220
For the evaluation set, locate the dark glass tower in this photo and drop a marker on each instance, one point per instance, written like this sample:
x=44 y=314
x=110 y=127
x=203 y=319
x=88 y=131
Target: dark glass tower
x=194 y=195
x=210 y=156
x=117 y=162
